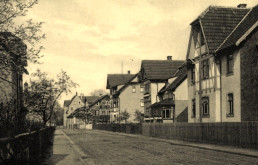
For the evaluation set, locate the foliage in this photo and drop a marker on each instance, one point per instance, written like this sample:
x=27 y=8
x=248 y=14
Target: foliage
x=27 y=30
x=139 y=116
x=98 y=92
x=124 y=116
x=43 y=93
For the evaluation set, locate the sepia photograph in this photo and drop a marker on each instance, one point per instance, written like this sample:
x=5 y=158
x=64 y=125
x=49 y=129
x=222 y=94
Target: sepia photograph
x=134 y=82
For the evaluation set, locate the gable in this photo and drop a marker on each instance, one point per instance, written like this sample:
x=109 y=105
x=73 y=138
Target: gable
x=216 y=23
x=242 y=30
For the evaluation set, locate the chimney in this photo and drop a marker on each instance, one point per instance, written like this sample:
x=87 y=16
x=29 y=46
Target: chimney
x=242 y=5
x=129 y=72
x=169 y=58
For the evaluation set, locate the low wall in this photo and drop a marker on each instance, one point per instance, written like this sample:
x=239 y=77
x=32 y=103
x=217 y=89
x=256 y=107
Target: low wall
x=125 y=128
x=26 y=147
x=242 y=134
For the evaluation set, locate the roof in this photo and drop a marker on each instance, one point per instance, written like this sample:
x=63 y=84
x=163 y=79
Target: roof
x=67 y=103
x=99 y=99
x=114 y=80
x=218 y=22
x=91 y=99
x=244 y=25
x=166 y=102
x=126 y=84
x=160 y=69
x=182 y=75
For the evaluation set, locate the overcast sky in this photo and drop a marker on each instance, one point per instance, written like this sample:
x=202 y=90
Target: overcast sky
x=92 y=38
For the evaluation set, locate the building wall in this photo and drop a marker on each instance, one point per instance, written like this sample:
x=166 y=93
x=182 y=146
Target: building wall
x=130 y=101
x=76 y=103
x=155 y=88
x=181 y=99
x=249 y=78
x=191 y=95
x=209 y=88
x=230 y=83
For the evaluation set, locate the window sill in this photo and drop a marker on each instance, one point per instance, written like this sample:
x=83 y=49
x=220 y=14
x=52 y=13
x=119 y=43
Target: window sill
x=193 y=117
x=205 y=116
x=230 y=115
x=230 y=74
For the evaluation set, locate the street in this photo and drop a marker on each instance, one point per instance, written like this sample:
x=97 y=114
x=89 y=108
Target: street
x=101 y=147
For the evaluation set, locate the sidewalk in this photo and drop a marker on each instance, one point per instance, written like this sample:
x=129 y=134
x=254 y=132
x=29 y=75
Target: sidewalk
x=219 y=148
x=65 y=152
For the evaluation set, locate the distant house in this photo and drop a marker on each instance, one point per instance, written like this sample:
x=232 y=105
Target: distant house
x=222 y=65
x=173 y=97
x=154 y=74
x=114 y=83
x=71 y=105
x=13 y=61
x=101 y=109
x=130 y=98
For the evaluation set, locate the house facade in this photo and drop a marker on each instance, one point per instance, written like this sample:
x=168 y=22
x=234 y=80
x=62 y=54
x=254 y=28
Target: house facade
x=114 y=83
x=154 y=74
x=214 y=79
x=70 y=106
x=101 y=109
x=173 y=104
x=130 y=98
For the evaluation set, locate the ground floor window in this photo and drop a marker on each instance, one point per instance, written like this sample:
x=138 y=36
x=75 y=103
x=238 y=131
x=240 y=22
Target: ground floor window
x=193 y=108
x=230 y=104
x=205 y=106
x=166 y=113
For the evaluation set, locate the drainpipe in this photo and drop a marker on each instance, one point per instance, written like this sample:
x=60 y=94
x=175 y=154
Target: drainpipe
x=200 y=92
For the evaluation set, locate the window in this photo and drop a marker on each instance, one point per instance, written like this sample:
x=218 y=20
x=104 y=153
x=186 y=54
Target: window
x=205 y=69
x=230 y=104
x=230 y=64
x=133 y=88
x=71 y=108
x=142 y=88
x=166 y=113
x=193 y=108
x=142 y=102
x=193 y=75
x=205 y=106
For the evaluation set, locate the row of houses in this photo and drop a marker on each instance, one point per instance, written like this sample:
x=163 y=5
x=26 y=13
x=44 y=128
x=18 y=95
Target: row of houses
x=217 y=82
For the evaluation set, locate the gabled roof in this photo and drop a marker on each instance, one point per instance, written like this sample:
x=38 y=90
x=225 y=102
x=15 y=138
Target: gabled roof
x=114 y=80
x=218 y=22
x=166 y=102
x=181 y=76
x=160 y=69
x=126 y=85
x=246 y=24
x=91 y=99
x=99 y=99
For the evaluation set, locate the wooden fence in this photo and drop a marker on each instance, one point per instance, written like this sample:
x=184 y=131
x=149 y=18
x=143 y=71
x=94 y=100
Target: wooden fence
x=125 y=128
x=243 y=134
x=26 y=147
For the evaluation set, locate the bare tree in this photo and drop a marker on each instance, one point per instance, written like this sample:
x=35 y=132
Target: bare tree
x=43 y=93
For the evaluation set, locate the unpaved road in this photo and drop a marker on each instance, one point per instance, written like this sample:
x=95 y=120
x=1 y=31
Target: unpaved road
x=101 y=147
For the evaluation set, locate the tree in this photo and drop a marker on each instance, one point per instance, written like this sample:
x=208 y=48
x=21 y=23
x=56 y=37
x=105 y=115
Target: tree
x=43 y=93
x=139 y=116
x=28 y=31
x=124 y=116
x=98 y=92
x=25 y=30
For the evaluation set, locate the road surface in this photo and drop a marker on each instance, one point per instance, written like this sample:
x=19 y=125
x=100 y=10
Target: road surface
x=101 y=147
